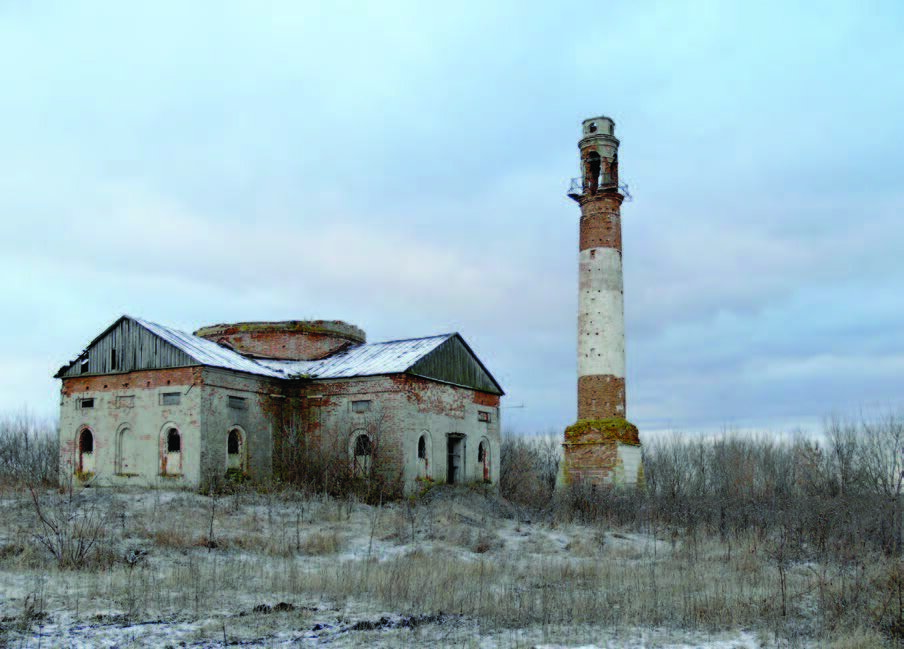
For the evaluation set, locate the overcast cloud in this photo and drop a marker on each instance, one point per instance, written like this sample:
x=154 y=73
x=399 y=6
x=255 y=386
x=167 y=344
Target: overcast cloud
x=402 y=166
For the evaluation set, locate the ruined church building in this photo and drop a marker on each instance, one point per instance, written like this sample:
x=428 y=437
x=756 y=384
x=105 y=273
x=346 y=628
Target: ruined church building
x=146 y=404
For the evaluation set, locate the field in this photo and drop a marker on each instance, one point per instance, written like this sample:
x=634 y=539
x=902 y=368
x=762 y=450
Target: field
x=678 y=564
x=282 y=569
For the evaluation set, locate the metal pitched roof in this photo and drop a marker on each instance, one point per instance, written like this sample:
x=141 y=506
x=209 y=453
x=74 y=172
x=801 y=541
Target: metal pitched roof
x=367 y=359
x=207 y=352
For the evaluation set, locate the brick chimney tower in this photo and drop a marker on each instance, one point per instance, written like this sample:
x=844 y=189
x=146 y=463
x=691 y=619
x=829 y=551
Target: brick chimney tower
x=602 y=447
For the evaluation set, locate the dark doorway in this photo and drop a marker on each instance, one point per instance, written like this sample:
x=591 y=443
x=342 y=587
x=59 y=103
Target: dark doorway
x=455 y=458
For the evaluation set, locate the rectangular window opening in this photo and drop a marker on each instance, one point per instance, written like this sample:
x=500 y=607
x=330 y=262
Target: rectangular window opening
x=238 y=403
x=113 y=365
x=170 y=398
x=86 y=403
x=482 y=415
x=83 y=368
x=361 y=406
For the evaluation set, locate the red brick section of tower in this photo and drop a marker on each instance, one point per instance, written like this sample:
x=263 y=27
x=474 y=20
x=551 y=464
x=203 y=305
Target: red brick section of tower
x=602 y=446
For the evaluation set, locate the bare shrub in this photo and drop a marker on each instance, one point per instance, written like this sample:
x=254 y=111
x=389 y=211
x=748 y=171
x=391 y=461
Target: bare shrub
x=773 y=504
x=528 y=467
x=71 y=527
x=323 y=464
x=29 y=450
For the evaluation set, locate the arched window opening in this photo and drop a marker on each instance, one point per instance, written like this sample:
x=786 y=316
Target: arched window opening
x=363 y=455
x=173 y=441
x=234 y=452
x=172 y=458
x=423 y=466
x=362 y=446
x=85 y=464
x=86 y=442
x=483 y=459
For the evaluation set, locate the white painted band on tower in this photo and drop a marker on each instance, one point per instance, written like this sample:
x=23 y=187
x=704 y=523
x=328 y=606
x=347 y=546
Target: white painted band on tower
x=601 y=322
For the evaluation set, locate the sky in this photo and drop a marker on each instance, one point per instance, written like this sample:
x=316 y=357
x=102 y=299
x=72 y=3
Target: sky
x=403 y=165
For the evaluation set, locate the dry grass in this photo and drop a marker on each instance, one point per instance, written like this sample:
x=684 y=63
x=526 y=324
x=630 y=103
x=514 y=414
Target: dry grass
x=587 y=544
x=322 y=543
x=452 y=556
x=173 y=538
x=857 y=639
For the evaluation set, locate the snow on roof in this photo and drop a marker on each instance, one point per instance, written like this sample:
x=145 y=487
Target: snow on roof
x=367 y=359
x=206 y=351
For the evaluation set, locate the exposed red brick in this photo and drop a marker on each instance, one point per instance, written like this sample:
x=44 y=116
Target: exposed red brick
x=433 y=397
x=286 y=345
x=486 y=399
x=601 y=222
x=288 y=340
x=591 y=463
x=140 y=379
x=601 y=396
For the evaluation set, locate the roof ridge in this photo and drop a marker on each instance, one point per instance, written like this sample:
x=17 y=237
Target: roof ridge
x=405 y=340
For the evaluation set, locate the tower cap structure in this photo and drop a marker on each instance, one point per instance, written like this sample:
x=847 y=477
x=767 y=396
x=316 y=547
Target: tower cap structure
x=598 y=127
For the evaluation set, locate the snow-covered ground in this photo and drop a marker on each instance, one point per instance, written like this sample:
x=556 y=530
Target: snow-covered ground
x=457 y=569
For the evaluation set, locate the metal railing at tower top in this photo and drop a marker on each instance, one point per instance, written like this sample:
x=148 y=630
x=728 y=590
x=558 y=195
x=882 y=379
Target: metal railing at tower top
x=579 y=187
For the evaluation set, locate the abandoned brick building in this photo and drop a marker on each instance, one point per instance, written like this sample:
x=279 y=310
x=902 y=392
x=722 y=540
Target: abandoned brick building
x=145 y=404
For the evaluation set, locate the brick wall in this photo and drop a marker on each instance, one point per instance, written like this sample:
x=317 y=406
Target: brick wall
x=601 y=222
x=404 y=409
x=287 y=345
x=589 y=456
x=601 y=396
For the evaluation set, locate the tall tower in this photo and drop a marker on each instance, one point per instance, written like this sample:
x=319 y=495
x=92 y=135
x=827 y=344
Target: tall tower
x=602 y=446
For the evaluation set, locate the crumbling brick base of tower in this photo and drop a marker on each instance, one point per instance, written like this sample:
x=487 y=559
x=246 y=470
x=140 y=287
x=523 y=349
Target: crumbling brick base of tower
x=601 y=451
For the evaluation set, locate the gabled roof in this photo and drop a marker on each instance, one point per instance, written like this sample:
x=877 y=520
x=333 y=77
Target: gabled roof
x=367 y=359
x=195 y=350
x=206 y=352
